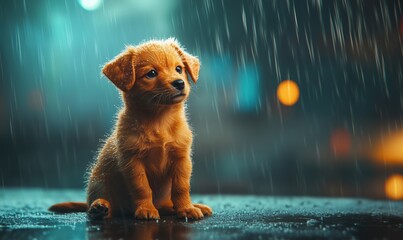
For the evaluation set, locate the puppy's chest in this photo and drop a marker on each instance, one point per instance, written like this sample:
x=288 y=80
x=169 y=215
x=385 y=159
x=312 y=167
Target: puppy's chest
x=159 y=152
x=158 y=158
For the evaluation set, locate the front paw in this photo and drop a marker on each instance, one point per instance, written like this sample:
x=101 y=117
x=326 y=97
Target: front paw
x=206 y=210
x=190 y=212
x=146 y=212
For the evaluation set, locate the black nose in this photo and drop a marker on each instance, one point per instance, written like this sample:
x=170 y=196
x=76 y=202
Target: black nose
x=178 y=84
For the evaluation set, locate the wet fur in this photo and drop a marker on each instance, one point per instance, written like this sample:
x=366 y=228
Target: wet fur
x=144 y=167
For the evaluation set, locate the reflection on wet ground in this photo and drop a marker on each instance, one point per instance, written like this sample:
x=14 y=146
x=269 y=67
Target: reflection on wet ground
x=132 y=229
x=24 y=215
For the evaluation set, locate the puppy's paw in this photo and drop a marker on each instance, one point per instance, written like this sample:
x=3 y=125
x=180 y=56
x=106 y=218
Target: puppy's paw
x=206 y=210
x=190 y=212
x=146 y=212
x=99 y=209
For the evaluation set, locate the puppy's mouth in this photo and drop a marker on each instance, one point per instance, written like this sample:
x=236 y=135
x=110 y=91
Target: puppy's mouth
x=178 y=97
x=166 y=98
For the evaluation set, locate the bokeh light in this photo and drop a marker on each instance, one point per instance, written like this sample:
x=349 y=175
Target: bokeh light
x=248 y=90
x=340 y=142
x=288 y=92
x=394 y=187
x=90 y=5
x=390 y=149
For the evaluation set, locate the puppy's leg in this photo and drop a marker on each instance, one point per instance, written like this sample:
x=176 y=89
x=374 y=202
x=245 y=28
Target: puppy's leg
x=182 y=170
x=99 y=207
x=141 y=192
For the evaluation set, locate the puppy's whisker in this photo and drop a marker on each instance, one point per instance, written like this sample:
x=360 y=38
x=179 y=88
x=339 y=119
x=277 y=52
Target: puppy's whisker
x=160 y=95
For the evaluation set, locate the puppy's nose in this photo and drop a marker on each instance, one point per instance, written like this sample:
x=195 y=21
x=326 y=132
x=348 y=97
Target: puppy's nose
x=178 y=84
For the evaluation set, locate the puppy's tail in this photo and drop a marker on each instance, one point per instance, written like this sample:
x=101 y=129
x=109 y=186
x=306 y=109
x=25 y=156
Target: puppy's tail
x=69 y=207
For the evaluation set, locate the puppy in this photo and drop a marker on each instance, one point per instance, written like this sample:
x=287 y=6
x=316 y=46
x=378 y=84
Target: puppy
x=144 y=167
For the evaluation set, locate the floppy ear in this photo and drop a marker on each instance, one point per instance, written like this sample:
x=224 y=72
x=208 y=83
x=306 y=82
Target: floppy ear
x=192 y=63
x=120 y=70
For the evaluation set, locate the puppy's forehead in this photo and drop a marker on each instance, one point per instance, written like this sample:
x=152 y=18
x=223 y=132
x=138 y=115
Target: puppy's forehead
x=158 y=54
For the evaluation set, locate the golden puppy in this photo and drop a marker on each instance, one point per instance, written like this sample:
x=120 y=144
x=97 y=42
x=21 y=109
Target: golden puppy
x=144 y=167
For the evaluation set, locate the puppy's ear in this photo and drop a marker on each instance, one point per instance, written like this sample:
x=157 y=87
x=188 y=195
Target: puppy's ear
x=192 y=63
x=120 y=70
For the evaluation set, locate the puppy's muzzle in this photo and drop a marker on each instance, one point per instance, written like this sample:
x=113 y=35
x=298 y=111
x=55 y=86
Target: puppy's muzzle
x=178 y=84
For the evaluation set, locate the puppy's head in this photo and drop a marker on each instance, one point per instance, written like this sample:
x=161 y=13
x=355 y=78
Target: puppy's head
x=154 y=73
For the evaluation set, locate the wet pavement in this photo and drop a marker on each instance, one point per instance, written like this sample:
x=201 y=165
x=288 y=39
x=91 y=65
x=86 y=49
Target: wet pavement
x=24 y=215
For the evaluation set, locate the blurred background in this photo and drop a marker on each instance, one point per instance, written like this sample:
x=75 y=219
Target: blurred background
x=335 y=128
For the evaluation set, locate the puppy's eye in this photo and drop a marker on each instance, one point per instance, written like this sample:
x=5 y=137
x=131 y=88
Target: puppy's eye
x=178 y=69
x=151 y=74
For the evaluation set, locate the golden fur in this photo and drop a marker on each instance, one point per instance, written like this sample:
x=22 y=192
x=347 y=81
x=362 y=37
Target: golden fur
x=144 y=167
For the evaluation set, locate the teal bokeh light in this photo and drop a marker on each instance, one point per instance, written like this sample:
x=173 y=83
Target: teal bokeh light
x=90 y=5
x=248 y=88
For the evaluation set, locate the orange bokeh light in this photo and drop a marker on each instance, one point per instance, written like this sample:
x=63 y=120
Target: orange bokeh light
x=340 y=142
x=288 y=92
x=390 y=149
x=394 y=187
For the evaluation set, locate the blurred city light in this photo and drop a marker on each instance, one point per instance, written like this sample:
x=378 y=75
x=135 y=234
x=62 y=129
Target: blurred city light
x=340 y=142
x=390 y=149
x=288 y=92
x=394 y=187
x=90 y=5
x=248 y=88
